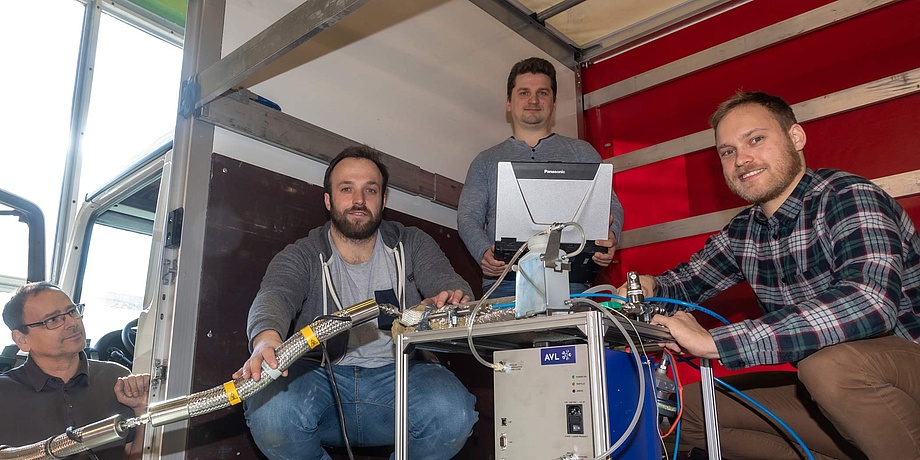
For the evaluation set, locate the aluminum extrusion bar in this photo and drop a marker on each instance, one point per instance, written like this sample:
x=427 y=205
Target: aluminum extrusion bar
x=169 y=330
x=79 y=111
x=597 y=377
x=710 y=414
x=531 y=30
x=671 y=20
x=557 y=9
x=799 y=25
x=401 y=447
x=289 y=32
x=290 y=133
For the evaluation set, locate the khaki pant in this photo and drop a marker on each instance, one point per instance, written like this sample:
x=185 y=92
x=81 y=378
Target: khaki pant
x=853 y=400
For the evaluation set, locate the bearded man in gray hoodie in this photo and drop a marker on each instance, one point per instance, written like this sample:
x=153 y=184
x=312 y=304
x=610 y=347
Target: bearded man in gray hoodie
x=355 y=256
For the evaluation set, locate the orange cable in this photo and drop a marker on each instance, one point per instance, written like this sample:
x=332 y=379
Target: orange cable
x=680 y=393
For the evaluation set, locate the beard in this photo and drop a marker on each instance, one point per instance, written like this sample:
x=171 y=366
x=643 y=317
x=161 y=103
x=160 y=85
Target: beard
x=355 y=230
x=786 y=170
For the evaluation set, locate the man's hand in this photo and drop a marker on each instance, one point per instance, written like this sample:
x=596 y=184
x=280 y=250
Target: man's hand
x=447 y=297
x=490 y=265
x=132 y=391
x=263 y=349
x=690 y=336
x=603 y=259
x=649 y=286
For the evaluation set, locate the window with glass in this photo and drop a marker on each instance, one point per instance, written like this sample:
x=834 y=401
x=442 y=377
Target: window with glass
x=131 y=110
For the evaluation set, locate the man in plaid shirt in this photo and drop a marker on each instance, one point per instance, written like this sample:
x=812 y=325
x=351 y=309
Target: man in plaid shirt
x=834 y=262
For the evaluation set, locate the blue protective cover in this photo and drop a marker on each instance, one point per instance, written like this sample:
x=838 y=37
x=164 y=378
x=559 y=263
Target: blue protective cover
x=622 y=396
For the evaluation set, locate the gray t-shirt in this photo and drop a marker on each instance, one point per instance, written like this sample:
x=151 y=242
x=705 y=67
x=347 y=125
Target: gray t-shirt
x=368 y=346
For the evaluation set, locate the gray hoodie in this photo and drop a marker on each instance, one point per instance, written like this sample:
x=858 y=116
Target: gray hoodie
x=297 y=287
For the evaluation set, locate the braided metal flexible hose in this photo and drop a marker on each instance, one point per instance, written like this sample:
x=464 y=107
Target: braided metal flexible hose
x=185 y=407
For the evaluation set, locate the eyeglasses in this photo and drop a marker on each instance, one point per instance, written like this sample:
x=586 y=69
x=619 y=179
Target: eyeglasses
x=56 y=321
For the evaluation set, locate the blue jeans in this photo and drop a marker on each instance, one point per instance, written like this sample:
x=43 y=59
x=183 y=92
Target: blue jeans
x=507 y=288
x=294 y=417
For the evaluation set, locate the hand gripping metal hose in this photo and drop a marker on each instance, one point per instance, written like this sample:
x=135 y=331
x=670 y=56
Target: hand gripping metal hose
x=231 y=393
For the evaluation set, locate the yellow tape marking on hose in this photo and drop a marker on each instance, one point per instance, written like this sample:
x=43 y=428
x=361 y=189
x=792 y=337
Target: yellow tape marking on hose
x=232 y=395
x=308 y=334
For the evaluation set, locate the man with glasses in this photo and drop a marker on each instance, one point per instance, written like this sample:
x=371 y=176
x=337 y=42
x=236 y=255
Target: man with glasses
x=58 y=387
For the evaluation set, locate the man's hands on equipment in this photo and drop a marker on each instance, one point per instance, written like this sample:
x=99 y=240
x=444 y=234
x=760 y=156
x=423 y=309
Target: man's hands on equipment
x=690 y=337
x=447 y=297
x=263 y=349
x=649 y=286
x=132 y=391
x=490 y=265
x=603 y=259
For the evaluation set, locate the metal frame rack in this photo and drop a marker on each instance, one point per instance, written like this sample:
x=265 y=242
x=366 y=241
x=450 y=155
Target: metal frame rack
x=591 y=326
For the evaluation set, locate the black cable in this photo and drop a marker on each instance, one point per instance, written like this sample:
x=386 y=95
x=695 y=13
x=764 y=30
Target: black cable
x=73 y=436
x=332 y=318
x=335 y=386
x=338 y=401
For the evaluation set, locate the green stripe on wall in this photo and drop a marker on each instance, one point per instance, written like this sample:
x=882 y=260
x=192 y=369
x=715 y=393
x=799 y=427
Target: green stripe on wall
x=171 y=10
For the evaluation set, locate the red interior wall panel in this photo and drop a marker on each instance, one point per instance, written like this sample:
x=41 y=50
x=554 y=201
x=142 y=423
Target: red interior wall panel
x=911 y=204
x=875 y=141
x=727 y=26
x=640 y=191
x=845 y=141
x=708 y=192
x=658 y=257
x=866 y=48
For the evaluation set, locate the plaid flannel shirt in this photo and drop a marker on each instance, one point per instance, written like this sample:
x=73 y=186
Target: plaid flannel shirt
x=838 y=261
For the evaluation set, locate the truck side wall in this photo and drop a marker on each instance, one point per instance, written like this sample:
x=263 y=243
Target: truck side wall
x=873 y=141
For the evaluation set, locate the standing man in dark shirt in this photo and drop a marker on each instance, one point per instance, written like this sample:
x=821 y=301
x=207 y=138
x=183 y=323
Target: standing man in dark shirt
x=58 y=387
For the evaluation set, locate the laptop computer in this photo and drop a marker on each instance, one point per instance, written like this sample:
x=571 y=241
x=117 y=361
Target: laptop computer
x=534 y=195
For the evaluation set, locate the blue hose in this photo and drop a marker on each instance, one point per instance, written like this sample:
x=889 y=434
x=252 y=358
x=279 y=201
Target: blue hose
x=760 y=407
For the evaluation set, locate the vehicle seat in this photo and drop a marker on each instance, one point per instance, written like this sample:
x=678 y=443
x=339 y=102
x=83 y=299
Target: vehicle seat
x=9 y=358
x=110 y=347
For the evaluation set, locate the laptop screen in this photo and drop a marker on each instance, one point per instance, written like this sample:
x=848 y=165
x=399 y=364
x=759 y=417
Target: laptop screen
x=533 y=195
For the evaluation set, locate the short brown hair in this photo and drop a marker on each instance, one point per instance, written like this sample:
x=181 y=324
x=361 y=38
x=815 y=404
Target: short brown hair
x=359 y=151
x=532 y=65
x=13 y=310
x=775 y=105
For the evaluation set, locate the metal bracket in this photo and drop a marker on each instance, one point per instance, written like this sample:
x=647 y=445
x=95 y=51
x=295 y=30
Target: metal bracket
x=551 y=255
x=189 y=94
x=174 y=228
x=159 y=373
x=170 y=269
